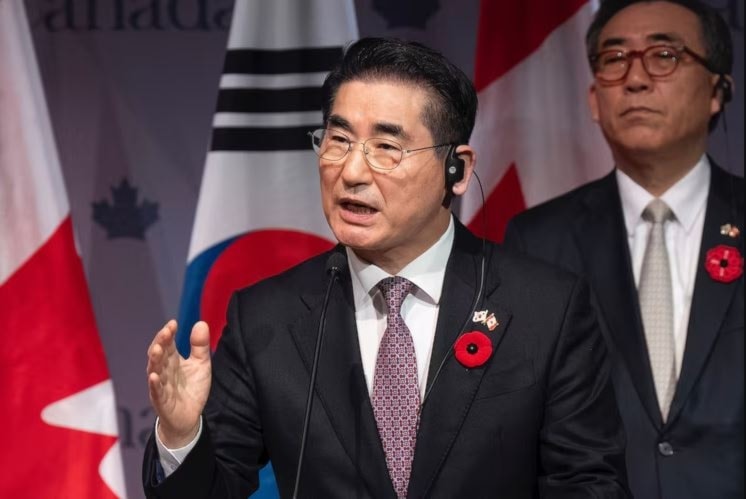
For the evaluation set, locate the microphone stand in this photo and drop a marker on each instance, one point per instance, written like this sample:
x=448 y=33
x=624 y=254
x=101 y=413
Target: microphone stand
x=334 y=270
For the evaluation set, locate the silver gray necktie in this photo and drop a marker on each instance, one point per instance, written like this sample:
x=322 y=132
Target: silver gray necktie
x=656 y=305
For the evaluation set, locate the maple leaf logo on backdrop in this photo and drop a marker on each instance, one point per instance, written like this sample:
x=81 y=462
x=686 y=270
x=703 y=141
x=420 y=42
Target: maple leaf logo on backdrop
x=125 y=218
x=412 y=14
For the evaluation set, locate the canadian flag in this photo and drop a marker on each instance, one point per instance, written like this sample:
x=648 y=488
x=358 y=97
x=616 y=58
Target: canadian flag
x=534 y=135
x=56 y=398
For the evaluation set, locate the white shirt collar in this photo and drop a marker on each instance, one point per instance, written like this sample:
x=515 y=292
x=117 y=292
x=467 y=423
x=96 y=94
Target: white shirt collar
x=427 y=271
x=686 y=198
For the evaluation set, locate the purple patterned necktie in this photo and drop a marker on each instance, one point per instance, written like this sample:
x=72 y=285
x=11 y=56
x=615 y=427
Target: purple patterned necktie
x=396 y=393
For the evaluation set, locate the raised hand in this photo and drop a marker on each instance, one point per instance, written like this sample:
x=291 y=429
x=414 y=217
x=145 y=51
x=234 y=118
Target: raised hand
x=178 y=387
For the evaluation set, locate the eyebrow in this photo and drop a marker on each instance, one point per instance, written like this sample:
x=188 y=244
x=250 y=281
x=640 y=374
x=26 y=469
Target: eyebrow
x=392 y=129
x=655 y=37
x=337 y=121
x=380 y=128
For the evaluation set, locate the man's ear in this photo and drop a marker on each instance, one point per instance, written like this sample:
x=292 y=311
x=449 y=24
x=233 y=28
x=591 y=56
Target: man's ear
x=722 y=92
x=469 y=157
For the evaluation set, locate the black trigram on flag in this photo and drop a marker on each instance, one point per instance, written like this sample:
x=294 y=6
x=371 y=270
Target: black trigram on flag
x=278 y=102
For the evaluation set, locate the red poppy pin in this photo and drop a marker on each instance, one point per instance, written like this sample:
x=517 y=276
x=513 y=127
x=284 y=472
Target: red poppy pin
x=724 y=263
x=473 y=349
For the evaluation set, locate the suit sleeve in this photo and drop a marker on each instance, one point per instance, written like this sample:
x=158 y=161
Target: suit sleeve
x=228 y=455
x=582 y=440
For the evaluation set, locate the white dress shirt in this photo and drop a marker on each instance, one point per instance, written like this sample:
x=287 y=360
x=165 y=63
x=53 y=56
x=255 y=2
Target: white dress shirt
x=687 y=200
x=419 y=311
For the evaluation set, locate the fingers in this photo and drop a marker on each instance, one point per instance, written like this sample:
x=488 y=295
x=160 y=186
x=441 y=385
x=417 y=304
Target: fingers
x=161 y=349
x=169 y=337
x=155 y=390
x=160 y=356
x=200 y=340
x=165 y=336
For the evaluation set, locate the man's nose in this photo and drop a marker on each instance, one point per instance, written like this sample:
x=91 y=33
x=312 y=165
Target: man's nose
x=355 y=169
x=637 y=77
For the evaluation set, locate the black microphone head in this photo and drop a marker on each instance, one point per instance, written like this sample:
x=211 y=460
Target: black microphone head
x=336 y=262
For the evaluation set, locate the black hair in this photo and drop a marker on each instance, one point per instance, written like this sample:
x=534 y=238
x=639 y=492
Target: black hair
x=452 y=108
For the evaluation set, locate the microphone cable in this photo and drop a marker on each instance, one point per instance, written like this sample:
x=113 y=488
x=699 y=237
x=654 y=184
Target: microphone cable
x=477 y=297
x=333 y=267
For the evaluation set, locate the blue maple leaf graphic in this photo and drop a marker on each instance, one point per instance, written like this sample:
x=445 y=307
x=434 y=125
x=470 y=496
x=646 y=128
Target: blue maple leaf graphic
x=125 y=218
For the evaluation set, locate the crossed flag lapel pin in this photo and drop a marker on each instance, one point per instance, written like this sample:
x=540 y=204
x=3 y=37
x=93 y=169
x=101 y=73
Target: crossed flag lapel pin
x=486 y=318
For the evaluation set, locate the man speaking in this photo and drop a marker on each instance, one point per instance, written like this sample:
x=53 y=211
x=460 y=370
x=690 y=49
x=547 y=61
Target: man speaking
x=447 y=368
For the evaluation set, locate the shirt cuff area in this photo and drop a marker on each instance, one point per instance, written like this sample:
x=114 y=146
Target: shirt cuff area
x=171 y=459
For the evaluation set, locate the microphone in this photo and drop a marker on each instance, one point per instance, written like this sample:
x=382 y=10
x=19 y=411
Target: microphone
x=334 y=265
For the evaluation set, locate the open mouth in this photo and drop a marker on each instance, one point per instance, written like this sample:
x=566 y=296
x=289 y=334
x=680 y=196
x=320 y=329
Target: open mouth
x=358 y=208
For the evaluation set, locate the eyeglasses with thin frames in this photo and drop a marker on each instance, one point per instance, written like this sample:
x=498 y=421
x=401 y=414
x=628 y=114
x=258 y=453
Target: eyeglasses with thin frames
x=381 y=154
x=612 y=66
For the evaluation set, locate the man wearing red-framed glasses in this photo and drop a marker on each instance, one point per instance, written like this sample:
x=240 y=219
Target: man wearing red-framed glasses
x=660 y=240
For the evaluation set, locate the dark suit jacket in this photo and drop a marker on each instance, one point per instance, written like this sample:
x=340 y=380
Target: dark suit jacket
x=538 y=419
x=699 y=451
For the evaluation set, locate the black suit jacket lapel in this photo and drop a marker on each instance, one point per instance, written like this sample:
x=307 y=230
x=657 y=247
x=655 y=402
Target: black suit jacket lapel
x=340 y=382
x=711 y=298
x=451 y=387
x=602 y=239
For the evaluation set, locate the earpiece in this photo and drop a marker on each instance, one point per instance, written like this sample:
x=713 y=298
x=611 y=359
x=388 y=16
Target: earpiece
x=724 y=85
x=454 y=168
